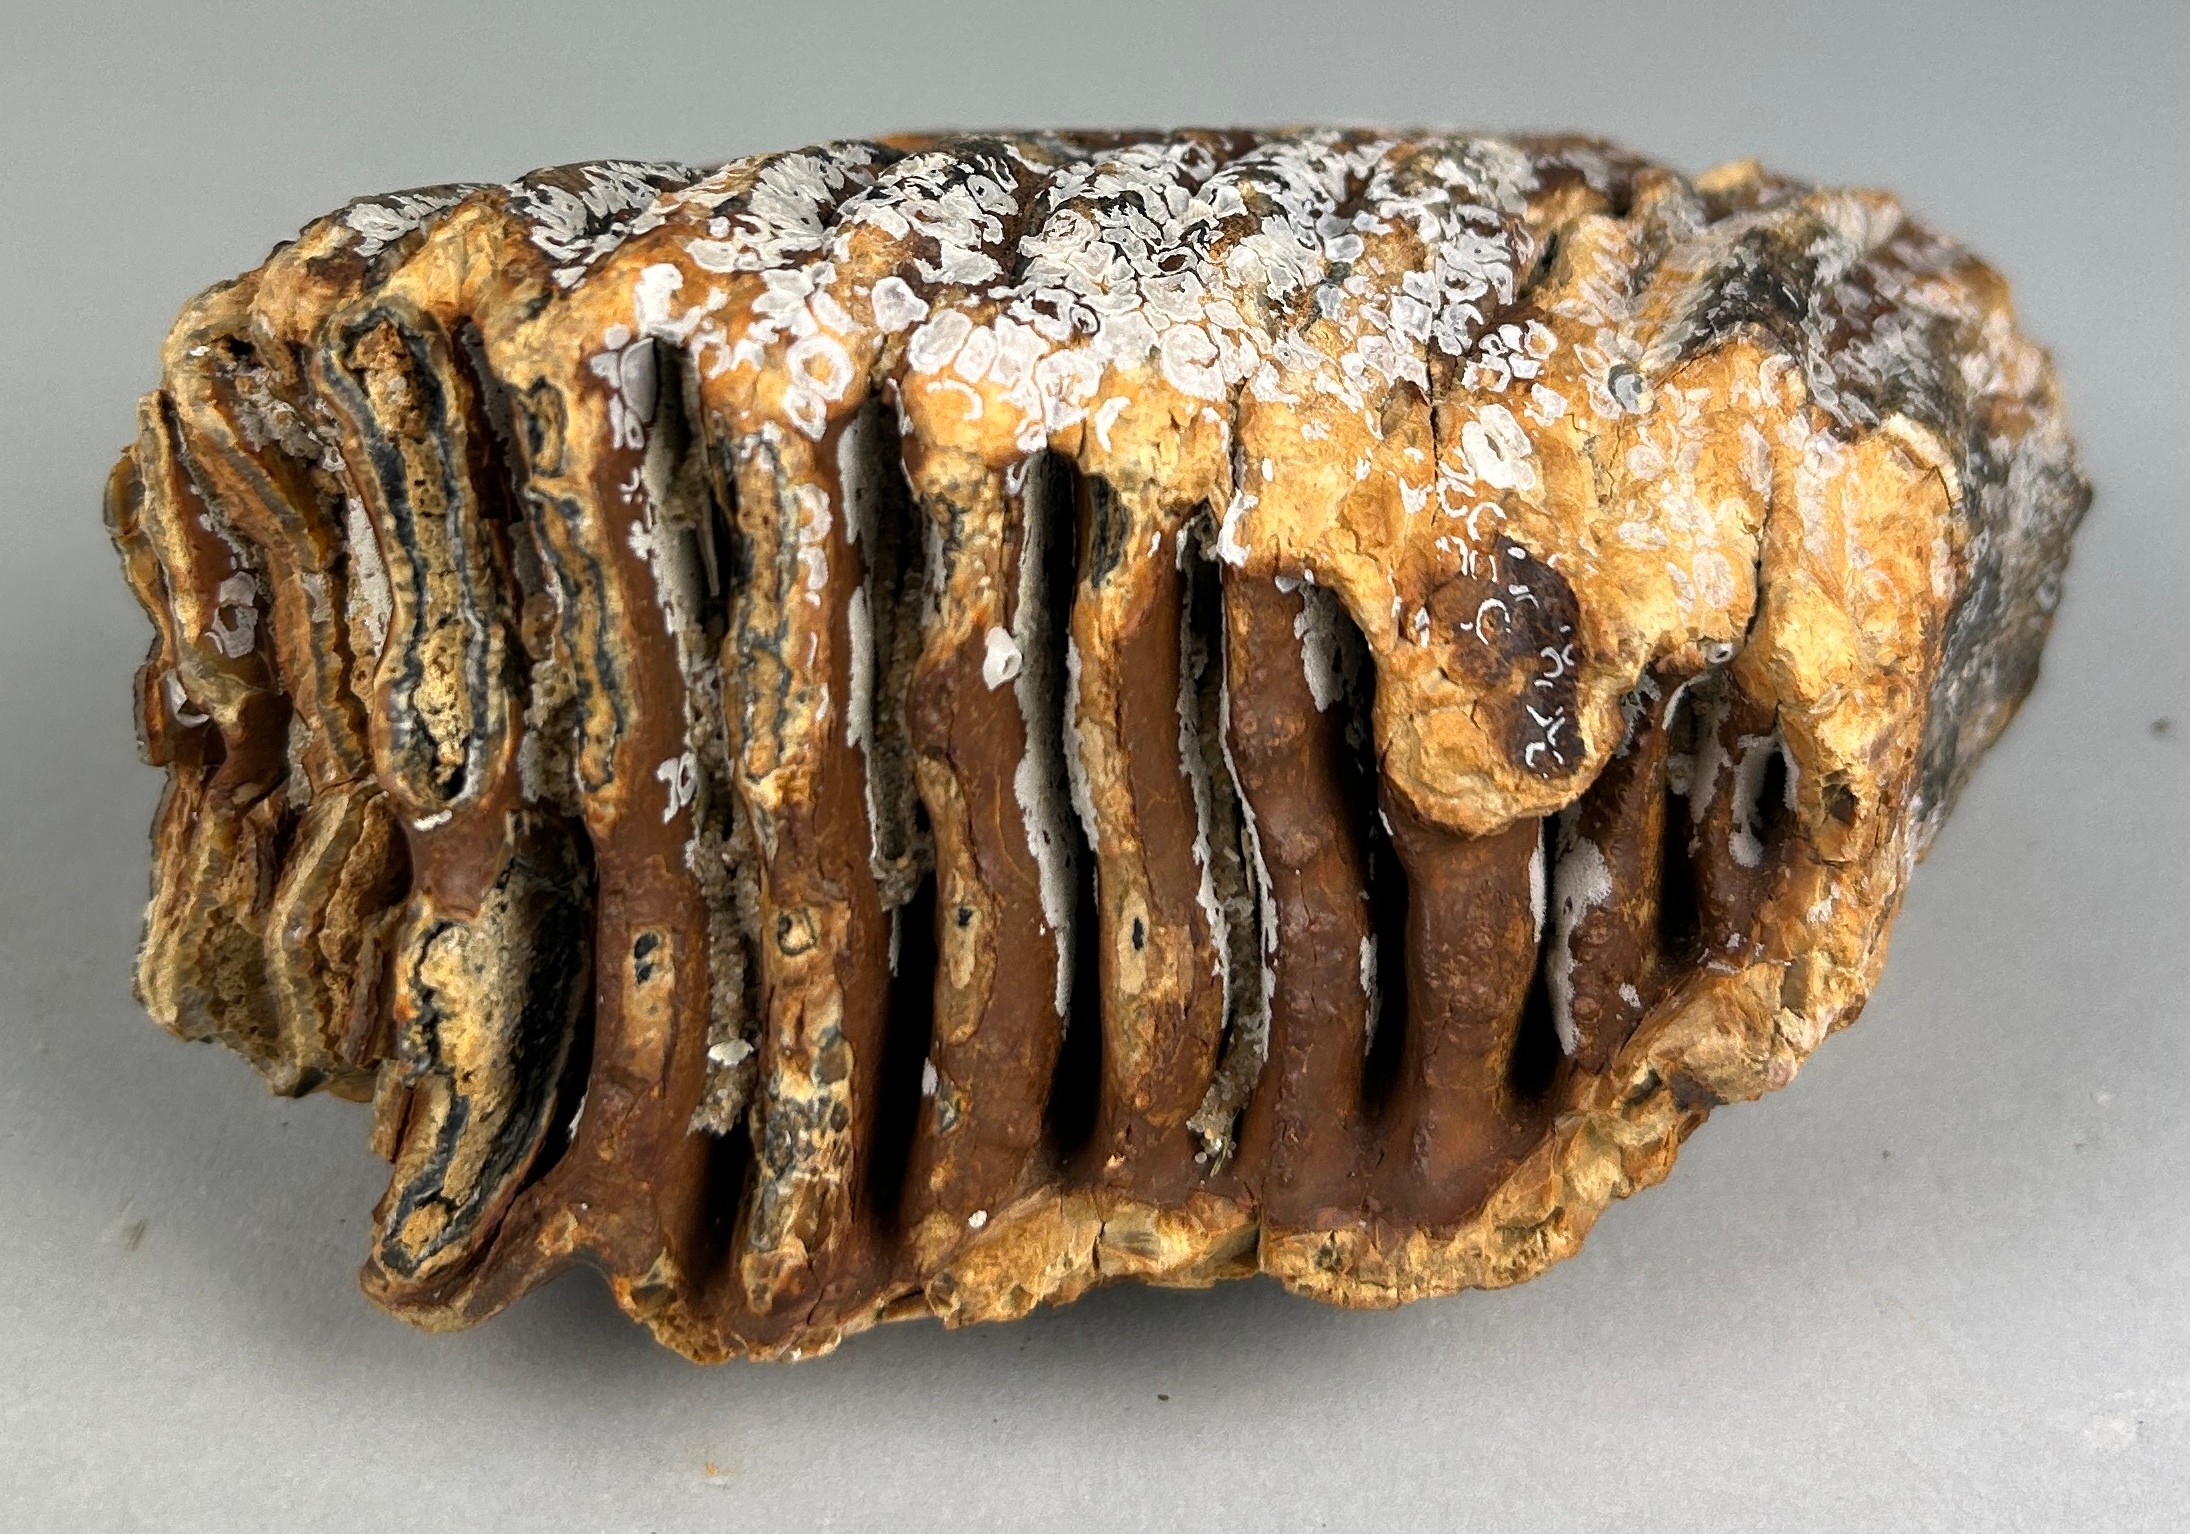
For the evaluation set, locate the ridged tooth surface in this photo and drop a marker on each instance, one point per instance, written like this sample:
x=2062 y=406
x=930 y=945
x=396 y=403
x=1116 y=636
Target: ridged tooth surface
x=492 y=954
x=985 y=711
x=332 y=926
x=256 y=456
x=1163 y=998
x=412 y=429
x=1297 y=731
x=327 y=930
x=485 y=1007
x=626 y=737
x=202 y=969
x=825 y=935
x=911 y=726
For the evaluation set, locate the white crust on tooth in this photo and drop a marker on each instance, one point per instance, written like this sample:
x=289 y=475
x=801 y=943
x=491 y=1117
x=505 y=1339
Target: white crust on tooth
x=856 y=464
x=1258 y=873
x=1083 y=798
x=1043 y=783
x=1744 y=845
x=370 y=601
x=1580 y=882
x=1001 y=660
x=1154 y=273
x=1371 y=990
x=1537 y=888
x=1321 y=657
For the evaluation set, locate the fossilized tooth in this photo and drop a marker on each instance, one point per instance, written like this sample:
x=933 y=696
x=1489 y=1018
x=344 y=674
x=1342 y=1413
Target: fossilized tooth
x=911 y=726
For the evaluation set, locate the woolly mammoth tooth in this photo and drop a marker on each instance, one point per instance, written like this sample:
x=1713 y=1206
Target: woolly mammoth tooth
x=911 y=726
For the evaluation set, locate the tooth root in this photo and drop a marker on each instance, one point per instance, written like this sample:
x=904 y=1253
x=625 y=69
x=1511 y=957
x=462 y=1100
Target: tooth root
x=1455 y=1122
x=1301 y=1140
x=1610 y=921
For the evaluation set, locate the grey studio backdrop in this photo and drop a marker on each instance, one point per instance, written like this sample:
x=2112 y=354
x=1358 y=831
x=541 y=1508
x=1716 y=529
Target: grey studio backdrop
x=1942 y=1281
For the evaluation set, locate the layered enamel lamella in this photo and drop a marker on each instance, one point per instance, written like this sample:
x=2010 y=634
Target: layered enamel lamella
x=907 y=727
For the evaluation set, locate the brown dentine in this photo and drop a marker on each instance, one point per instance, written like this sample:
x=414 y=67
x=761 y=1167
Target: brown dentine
x=909 y=727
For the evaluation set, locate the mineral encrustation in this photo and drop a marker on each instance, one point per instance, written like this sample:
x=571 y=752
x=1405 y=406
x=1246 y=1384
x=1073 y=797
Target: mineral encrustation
x=908 y=727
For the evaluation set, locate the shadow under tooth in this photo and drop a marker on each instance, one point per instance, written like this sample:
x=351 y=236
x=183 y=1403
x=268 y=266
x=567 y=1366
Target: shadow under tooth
x=1301 y=1146
x=985 y=715
x=1454 y=1124
x=1607 y=963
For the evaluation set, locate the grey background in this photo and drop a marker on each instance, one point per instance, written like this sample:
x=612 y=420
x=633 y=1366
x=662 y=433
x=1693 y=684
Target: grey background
x=1943 y=1281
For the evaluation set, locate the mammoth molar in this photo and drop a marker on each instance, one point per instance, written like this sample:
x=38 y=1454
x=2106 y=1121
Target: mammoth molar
x=906 y=727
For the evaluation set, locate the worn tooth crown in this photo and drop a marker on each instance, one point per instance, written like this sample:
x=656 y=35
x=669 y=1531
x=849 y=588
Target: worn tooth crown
x=906 y=727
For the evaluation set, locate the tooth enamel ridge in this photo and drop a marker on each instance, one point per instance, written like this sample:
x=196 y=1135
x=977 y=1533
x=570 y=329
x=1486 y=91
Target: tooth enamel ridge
x=908 y=727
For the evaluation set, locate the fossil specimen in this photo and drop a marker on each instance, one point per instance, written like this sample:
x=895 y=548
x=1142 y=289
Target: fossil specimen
x=906 y=727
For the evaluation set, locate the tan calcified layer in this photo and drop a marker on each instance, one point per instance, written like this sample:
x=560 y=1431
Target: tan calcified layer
x=909 y=727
